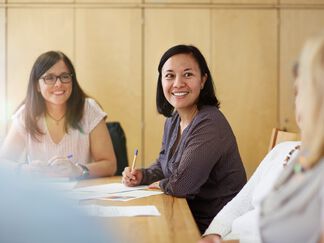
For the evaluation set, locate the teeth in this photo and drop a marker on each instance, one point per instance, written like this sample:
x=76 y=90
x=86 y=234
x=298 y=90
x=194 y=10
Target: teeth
x=180 y=93
x=58 y=92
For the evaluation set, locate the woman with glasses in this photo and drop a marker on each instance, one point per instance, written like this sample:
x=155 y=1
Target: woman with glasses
x=62 y=131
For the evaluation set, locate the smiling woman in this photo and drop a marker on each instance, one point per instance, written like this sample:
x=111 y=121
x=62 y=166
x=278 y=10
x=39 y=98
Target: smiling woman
x=62 y=130
x=199 y=158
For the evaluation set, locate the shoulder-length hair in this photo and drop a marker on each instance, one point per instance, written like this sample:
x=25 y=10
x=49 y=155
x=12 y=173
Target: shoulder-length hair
x=311 y=90
x=35 y=103
x=207 y=94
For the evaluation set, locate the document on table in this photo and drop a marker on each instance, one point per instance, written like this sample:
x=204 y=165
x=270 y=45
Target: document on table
x=126 y=196
x=109 y=188
x=104 y=191
x=120 y=211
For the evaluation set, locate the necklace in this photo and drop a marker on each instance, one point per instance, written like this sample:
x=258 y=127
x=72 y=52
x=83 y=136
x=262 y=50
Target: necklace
x=286 y=160
x=57 y=121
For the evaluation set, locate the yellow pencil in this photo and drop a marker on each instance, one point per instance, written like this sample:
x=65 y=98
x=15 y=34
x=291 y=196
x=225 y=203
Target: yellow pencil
x=134 y=159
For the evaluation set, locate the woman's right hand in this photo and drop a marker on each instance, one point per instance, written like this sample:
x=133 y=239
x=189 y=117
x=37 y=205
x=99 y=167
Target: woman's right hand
x=132 y=177
x=210 y=239
x=35 y=167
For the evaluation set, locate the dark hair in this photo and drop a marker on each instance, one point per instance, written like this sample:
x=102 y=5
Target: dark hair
x=35 y=103
x=207 y=94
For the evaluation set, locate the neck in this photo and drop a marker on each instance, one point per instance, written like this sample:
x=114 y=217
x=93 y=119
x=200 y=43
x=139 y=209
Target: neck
x=187 y=116
x=56 y=112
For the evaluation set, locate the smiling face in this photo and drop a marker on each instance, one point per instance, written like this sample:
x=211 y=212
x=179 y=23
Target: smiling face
x=59 y=93
x=182 y=81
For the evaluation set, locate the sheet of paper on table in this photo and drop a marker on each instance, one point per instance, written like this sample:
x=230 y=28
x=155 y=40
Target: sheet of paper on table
x=120 y=211
x=109 y=188
x=126 y=196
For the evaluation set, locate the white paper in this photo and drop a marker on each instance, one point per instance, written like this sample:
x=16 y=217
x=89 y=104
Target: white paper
x=120 y=211
x=109 y=188
x=126 y=196
x=76 y=195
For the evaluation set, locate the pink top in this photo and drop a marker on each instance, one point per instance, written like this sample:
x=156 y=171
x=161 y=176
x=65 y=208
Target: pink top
x=75 y=143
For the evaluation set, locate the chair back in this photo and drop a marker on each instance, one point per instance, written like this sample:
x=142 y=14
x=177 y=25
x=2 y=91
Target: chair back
x=279 y=136
x=118 y=139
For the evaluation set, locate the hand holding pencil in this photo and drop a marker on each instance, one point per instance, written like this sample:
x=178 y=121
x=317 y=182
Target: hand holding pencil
x=131 y=175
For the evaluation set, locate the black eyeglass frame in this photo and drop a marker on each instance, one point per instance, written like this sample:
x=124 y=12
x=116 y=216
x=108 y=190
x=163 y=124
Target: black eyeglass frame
x=57 y=77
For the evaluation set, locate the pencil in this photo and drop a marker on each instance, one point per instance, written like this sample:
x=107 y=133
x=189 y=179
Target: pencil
x=134 y=159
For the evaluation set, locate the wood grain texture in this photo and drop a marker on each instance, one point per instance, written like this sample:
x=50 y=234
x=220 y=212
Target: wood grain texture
x=108 y=62
x=175 y=225
x=244 y=63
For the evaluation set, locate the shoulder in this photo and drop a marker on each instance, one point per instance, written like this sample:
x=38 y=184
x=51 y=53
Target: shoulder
x=284 y=147
x=211 y=119
x=92 y=115
x=90 y=104
x=213 y=116
x=20 y=112
x=18 y=118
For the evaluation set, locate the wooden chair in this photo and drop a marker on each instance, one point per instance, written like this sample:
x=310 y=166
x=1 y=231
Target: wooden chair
x=279 y=136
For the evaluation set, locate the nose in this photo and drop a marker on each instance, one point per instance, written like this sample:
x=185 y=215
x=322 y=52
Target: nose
x=178 y=82
x=58 y=81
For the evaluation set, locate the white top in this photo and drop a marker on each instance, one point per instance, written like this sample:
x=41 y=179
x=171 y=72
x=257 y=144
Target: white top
x=75 y=142
x=239 y=218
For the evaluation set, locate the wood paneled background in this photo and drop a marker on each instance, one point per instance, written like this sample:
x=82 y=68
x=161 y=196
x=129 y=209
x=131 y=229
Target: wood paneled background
x=116 y=45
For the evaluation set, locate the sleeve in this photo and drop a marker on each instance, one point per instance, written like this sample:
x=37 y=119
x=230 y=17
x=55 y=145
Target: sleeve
x=93 y=114
x=242 y=202
x=202 y=150
x=154 y=172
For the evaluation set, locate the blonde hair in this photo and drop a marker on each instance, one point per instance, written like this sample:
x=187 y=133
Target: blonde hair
x=311 y=90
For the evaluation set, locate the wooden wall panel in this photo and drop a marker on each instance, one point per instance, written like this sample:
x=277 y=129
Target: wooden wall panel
x=40 y=1
x=245 y=1
x=296 y=27
x=309 y=2
x=108 y=1
x=244 y=61
x=178 y=1
x=109 y=60
x=3 y=116
x=187 y=26
x=30 y=33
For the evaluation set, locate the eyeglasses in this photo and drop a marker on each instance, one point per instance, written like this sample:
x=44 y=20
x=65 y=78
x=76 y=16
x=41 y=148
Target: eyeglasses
x=51 y=78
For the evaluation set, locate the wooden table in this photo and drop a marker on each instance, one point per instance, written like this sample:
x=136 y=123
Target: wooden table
x=176 y=223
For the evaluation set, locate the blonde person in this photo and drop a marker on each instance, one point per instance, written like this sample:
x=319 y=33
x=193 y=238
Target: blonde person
x=239 y=218
x=199 y=158
x=294 y=210
x=62 y=130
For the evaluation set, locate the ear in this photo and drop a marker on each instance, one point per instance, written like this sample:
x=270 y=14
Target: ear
x=203 y=80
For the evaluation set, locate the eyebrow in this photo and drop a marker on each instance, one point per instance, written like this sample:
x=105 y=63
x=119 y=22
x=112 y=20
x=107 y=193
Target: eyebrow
x=170 y=70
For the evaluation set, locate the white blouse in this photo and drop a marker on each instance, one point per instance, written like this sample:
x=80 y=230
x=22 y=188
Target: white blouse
x=75 y=143
x=239 y=218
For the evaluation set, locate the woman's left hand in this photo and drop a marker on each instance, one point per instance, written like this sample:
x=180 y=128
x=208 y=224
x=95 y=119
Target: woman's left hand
x=155 y=185
x=62 y=167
